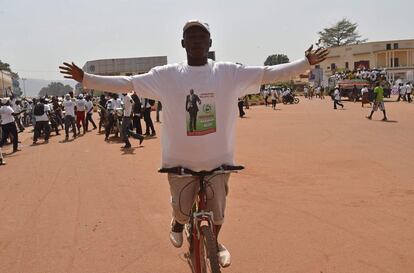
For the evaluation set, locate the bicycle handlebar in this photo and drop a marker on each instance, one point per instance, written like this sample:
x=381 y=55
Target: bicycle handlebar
x=184 y=171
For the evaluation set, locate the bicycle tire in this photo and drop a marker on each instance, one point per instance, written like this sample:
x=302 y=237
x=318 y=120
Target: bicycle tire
x=209 y=260
x=296 y=100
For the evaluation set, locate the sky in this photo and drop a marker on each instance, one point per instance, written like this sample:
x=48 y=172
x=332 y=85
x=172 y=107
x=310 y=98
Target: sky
x=37 y=36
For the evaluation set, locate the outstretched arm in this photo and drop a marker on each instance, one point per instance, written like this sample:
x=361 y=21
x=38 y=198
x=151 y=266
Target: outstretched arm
x=116 y=84
x=286 y=71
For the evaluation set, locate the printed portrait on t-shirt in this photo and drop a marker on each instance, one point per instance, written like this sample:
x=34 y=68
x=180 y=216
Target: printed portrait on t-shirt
x=201 y=113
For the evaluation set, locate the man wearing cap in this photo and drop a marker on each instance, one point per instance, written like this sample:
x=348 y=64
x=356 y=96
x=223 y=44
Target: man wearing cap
x=218 y=84
x=80 y=113
x=69 y=118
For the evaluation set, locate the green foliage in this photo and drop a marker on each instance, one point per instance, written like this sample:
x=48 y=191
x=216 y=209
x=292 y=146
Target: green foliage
x=276 y=59
x=55 y=89
x=5 y=66
x=342 y=33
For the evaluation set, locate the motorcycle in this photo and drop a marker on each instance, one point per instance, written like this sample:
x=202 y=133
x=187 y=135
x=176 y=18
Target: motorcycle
x=290 y=98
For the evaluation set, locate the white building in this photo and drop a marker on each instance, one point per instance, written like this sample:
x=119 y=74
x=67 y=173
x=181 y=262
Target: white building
x=396 y=57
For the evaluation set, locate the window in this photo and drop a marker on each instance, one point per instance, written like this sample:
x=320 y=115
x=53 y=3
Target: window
x=346 y=65
x=396 y=62
x=333 y=66
x=395 y=45
x=388 y=46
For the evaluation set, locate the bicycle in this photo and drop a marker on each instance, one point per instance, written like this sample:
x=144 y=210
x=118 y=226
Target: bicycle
x=203 y=249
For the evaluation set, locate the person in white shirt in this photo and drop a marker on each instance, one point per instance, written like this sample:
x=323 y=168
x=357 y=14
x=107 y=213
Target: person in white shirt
x=80 y=113
x=42 y=120
x=337 y=97
x=8 y=124
x=69 y=106
x=89 y=112
x=306 y=91
x=110 y=107
x=318 y=92
x=126 y=122
x=364 y=96
x=266 y=96
x=218 y=84
x=274 y=99
x=408 y=90
x=17 y=107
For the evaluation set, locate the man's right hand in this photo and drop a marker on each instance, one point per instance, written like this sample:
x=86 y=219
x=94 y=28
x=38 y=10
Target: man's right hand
x=73 y=71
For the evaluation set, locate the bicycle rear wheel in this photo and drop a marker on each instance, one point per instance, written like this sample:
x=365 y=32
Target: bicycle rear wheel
x=208 y=251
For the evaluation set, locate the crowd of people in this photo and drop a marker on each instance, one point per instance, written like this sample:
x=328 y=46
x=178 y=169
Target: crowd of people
x=70 y=113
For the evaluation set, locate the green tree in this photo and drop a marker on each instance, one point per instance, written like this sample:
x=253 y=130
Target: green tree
x=5 y=66
x=55 y=89
x=276 y=59
x=342 y=33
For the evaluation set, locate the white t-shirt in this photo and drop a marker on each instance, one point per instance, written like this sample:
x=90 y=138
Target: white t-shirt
x=69 y=107
x=81 y=105
x=408 y=88
x=6 y=114
x=364 y=90
x=110 y=105
x=127 y=105
x=317 y=90
x=44 y=117
x=117 y=103
x=216 y=87
x=89 y=106
x=273 y=94
x=337 y=94
x=305 y=90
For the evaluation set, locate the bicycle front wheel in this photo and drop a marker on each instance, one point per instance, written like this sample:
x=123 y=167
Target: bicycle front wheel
x=208 y=251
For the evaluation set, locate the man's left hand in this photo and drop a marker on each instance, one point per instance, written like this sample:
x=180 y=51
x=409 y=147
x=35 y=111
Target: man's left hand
x=317 y=56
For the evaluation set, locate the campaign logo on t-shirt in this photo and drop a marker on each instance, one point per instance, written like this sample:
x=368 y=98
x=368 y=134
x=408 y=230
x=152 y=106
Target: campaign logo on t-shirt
x=201 y=114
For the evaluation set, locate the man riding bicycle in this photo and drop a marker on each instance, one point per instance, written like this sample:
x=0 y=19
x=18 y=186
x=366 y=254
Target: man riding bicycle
x=211 y=143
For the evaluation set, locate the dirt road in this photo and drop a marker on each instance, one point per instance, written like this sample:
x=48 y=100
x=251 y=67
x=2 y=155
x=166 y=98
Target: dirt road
x=323 y=191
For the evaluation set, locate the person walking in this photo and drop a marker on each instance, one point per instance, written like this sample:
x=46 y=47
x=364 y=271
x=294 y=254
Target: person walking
x=41 y=112
x=80 y=113
x=240 y=104
x=8 y=125
x=126 y=122
x=110 y=109
x=89 y=112
x=274 y=99
x=149 y=125
x=69 y=118
x=102 y=112
x=409 y=90
x=365 y=96
x=137 y=114
x=17 y=107
x=378 y=101
x=266 y=96
x=220 y=83
x=159 y=108
x=305 y=92
x=337 y=98
x=318 y=92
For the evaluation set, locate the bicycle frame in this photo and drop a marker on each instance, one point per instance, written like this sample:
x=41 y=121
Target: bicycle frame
x=200 y=231
x=199 y=217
